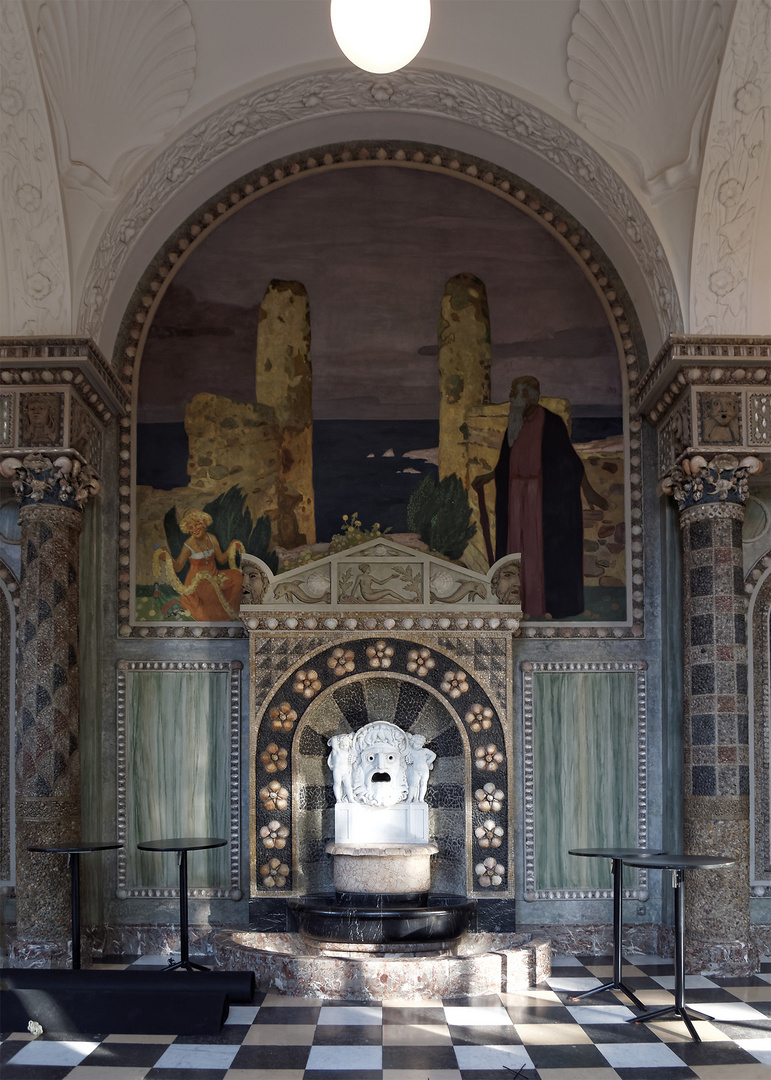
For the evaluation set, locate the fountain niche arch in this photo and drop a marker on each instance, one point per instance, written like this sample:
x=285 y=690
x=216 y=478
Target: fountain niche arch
x=423 y=691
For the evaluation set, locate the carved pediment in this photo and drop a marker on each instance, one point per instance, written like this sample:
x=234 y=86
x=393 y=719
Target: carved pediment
x=381 y=574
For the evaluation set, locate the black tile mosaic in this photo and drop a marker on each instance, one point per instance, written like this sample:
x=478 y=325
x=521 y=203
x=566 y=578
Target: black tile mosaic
x=447 y=744
x=312 y=743
x=702 y=679
x=744 y=779
x=740 y=629
x=704 y=780
x=702 y=581
x=700 y=535
x=703 y=729
x=352 y=704
x=702 y=630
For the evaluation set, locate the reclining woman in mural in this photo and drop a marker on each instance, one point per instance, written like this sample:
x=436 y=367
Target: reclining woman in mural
x=208 y=593
x=539 y=479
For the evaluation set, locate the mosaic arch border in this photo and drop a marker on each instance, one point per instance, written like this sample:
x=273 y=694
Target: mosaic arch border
x=564 y=228
x=270 y=747
x=759 y=658
x=233 y=669
x=530 y=668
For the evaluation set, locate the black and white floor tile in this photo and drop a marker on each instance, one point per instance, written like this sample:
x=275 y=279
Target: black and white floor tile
x=538 y=1034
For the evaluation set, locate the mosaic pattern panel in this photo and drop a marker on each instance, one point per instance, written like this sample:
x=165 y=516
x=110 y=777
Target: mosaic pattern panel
x=178 y=774
x=585 y=774
x=419 y=689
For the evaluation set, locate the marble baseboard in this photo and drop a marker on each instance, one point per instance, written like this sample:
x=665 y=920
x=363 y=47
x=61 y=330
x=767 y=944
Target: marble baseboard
x=282 y=962
x=118 y=939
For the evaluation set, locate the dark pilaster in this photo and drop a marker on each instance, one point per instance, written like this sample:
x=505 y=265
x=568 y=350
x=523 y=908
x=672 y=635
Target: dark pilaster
x=716 y=778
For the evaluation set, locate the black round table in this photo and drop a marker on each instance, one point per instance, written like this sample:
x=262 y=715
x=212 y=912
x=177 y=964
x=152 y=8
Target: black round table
x=678 y=864
x=73 y=851
x=617 y=855
x=183 y=844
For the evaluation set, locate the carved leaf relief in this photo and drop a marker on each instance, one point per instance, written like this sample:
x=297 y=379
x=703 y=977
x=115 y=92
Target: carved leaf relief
x=118 y=77
x=641 y=73
x=33 y=257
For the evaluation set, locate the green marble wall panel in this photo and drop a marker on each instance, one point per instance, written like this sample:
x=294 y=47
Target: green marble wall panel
x=177 y=760
x=585 y=773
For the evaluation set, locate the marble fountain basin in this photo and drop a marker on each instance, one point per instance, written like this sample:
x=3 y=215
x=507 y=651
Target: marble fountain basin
x=478 y=963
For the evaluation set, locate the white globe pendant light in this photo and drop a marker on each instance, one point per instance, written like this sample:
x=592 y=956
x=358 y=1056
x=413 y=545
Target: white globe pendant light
x=380 y=35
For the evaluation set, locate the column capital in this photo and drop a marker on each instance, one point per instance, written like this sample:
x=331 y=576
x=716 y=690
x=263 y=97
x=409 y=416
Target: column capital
x=710 y=483
x=59 y=479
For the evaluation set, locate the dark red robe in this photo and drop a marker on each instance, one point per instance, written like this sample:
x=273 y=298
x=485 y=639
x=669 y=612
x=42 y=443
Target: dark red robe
x=538 y=511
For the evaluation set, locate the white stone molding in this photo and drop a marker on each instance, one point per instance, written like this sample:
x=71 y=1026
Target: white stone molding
x=118 y=77
x=387 y=575
x=529 y=669
x=633 y=83
x=233 y=668
x=330 y=93
x=34 y=260
x=736 y=159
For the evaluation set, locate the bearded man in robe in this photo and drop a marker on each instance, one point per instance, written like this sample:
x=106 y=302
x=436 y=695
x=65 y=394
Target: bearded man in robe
x=538 y=511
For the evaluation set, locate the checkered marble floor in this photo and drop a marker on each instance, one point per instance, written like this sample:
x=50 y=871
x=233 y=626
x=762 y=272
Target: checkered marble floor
x=538 y=1034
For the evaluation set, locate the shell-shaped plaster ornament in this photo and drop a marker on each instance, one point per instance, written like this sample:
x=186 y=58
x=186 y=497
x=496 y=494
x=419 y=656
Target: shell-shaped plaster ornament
x=117 y=78
x=642 y=74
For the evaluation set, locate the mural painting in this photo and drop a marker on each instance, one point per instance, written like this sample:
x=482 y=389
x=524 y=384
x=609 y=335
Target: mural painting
x=355 y=355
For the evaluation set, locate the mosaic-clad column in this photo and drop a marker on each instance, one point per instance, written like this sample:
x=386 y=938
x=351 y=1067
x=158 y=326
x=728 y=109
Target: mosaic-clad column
x=711 y=495
x=52 y=491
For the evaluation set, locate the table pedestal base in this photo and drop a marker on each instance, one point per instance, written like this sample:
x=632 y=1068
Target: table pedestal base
x=678 y=1012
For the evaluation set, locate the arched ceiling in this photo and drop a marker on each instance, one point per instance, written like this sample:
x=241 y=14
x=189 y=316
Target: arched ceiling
x=153 y=106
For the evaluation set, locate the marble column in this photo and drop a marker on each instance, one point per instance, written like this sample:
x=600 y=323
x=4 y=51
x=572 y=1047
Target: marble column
x=710 y=491
x=52 y=489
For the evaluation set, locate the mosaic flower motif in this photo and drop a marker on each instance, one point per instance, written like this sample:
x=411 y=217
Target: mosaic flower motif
x=488 y=758
x=274 y=835
x=274 y=759
x=489 y=834
x=380 y=654
x=489 y=873
x=274 y=796
x=282 y=717
x=341 y=661
x=454 y=683
x=480 y=718
x=489 y=798
x=420 y=662
x=274 y=873
x=306 y=683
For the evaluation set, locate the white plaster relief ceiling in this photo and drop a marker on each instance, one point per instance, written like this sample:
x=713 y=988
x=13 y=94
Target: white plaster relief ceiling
x=733 y=216
x=118 y=77
x=642 y=74
x=37 y=300
x=324 y=94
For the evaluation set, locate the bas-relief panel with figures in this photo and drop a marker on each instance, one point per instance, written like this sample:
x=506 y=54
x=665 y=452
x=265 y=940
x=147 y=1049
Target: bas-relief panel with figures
x=379 y=351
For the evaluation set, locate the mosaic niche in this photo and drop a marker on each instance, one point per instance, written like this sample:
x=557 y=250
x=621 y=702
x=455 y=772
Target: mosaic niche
x=339 y=690
x=585 y=775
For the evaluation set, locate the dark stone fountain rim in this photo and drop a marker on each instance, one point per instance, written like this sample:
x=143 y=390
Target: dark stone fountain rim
x=441 y=918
